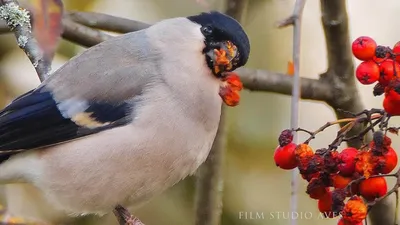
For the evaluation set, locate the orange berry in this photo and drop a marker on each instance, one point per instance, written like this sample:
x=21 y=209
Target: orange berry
x=303 y=151
x=388 y=70
x=285 y=157
x=367 y=72
x=346 y=161
x=340 y=181
x=363 y=48
x=355 y=210
x=372 y=188
x=365 y=163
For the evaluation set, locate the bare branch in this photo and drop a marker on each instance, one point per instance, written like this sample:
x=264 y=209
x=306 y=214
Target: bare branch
x=340 y=75
x=210 y=183
x=262 y=80
x=82 y=35
x=18 y=20
x=295 y=20
x=106 y=22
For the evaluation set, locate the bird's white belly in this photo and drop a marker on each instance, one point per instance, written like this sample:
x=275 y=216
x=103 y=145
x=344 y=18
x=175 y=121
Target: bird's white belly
x=118 y=167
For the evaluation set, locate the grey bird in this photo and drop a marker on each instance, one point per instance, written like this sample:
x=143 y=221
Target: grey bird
x=127 y=118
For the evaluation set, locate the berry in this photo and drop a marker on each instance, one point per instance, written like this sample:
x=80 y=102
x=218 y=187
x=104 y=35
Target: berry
x=389 y=161
x=355 y=210
x=391 y=102
x=340 y=182
x=364 y=48
x=396 y=51
x=382 y=52
x=388 y=70
x=303 y=151
x=372 y=188
x=346 y=161
x=285 y=138
x=365 y=163
x=325 y=205
x=379 y=60
x=285 y=157
x=379 y=89
x=316 y=188
x=367 y=72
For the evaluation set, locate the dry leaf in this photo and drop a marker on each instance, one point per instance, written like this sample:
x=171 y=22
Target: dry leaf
x=47 y=25
x=290 y=68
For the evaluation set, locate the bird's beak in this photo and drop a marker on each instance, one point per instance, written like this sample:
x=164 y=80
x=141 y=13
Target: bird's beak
x=230 y=88
x=224 y=56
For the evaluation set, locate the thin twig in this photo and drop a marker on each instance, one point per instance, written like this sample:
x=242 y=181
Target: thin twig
x=295 y=20
x=18 y=20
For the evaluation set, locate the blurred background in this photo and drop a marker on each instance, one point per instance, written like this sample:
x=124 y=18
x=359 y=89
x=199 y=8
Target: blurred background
x=252 y=182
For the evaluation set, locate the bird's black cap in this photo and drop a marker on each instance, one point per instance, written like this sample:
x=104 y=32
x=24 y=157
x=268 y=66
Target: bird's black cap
x=226 y=28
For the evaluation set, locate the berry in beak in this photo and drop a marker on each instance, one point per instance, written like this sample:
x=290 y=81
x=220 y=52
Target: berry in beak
x=223 y=57
x=230 y=88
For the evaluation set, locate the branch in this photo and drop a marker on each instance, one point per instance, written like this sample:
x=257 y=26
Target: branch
x=18 y=20
x=262 y=80
x=295 y=20
x=209 y=181
x=81 y=34
x=106 y=22
x=340 y=75
x=253 y=79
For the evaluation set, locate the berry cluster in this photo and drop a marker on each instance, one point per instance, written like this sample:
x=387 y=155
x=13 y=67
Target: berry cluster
x=380 y=64
x=345 y=182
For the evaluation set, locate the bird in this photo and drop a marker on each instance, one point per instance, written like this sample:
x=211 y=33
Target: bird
x=128 y=118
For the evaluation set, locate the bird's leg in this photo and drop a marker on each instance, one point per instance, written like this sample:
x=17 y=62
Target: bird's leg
x=124 y=216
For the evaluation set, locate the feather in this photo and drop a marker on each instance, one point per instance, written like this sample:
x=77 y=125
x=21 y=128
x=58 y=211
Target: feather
x=36 y=120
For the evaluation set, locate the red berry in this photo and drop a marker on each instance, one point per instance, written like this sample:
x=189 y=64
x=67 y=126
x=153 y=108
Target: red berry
x=378 y=60
x=372 y=188
x=390 y=161
x=367 y=72
x=285 y=157
x=396 y=50
x=346 y=161
x=391 y=102
x=364 y=48
x=341 y=182
x=325 y=205
x=388 y=70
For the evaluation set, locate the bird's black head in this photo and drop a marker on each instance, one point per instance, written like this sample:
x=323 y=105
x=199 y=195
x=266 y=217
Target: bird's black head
x=227 y=44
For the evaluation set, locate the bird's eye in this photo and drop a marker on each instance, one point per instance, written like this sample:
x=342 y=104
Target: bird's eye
x=207 y=30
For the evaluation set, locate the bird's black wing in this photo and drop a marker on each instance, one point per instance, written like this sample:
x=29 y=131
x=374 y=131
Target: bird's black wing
x=35 y=120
